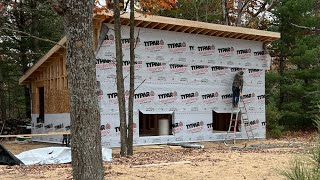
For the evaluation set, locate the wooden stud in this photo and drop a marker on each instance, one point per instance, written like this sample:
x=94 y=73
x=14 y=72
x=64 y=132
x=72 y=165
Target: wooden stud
x=152 y=24
x=145 y=24
x=138 y=23
x=220 y=33
x=212 y=33
x=170 y=27
x=190 y=30
x=164 y=27
x=160 y=26
x=246 y=36
x=226 y=34
x=156 y=24
x=234 y=35
x=198 y=30
x=176 y=28
x=183 y=28
x=205 y=32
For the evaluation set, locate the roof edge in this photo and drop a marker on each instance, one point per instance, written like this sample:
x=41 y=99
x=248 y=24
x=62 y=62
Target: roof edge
x=34 y=67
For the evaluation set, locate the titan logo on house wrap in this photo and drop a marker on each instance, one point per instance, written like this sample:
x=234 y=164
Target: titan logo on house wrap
x=210 y=126
x=210 y=98
x=105 y=129
x=59 y=126
x=155 y=45
x=169 y=97
x=227 y=98
x=48 y=126
x=126 y=43
x=235 y=69
x=126 y=65
x=254 y=124
x=248 y=98
x=263 y=123
x=113 y=98
x=189 y=97
x=195 y=127
x=108 y=40
x=206 y=50
x=177 y=47
x=156 y=66
x=218 y=70
x=105 y=63
x=117 y=129
x=177 y=127
x=199 y=69
x=261 y=55
x=144 y=97
x=255 y=72
x=226 y=52
x=261 y=98
x=67 y=128
x=178 y=68
x=244 y=53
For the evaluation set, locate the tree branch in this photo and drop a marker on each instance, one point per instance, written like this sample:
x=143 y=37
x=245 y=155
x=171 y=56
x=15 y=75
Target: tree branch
x=305 y=27
x=42 y=39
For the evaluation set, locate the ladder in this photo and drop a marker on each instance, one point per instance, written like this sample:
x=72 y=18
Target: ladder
x=242 y=110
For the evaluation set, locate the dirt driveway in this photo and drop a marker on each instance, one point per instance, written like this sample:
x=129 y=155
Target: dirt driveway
x=216 y=161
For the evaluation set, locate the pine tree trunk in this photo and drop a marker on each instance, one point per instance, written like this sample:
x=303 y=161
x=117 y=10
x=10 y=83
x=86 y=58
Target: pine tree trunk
x=131 y=95
x=120 y=81
x=2 y=99
x=34 y=28
x=84 y=111
x=224 y=12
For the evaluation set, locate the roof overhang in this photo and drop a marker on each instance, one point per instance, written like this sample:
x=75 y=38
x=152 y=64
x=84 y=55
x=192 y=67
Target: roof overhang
x=168 y=24
x=193 y=27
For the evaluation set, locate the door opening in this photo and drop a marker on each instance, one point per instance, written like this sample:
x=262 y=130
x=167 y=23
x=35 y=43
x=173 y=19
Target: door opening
x=40 y=119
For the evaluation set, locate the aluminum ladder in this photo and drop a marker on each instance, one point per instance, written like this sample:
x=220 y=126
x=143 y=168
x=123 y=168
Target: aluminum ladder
x=242 y=110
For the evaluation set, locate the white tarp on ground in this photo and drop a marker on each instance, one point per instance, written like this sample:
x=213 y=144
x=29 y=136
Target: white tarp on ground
x=54 y=155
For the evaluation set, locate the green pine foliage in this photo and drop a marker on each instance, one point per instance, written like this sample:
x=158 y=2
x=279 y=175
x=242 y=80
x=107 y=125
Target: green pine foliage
x=298 y=49
x=19 y=51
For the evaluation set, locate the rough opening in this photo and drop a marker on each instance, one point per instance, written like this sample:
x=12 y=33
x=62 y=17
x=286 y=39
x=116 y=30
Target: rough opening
x=220 y=121
x=155 y=124
x=40 y=119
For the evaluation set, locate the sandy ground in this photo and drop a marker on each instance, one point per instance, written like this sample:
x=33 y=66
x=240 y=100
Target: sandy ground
x=215 y=161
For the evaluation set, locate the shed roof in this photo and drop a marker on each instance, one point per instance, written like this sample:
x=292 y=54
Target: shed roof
x=168 y=24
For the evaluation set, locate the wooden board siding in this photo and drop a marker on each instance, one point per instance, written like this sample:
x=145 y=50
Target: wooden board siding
x=53 y=77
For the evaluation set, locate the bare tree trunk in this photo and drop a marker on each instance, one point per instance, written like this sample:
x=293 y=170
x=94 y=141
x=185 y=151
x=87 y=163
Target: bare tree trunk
x=34 y=28
x=84 y=112
x=206 y=13
x=131 y=95
x=2 y=99
x=225 y=18
x=120 y=81
x=242 y=7
x=21 y=21
x=282 y=81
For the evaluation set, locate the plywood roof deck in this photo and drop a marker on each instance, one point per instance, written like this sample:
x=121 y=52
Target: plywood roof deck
x=161 y=23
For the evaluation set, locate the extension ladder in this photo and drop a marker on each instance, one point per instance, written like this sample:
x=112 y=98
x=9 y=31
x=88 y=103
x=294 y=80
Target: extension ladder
x=242 y=110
